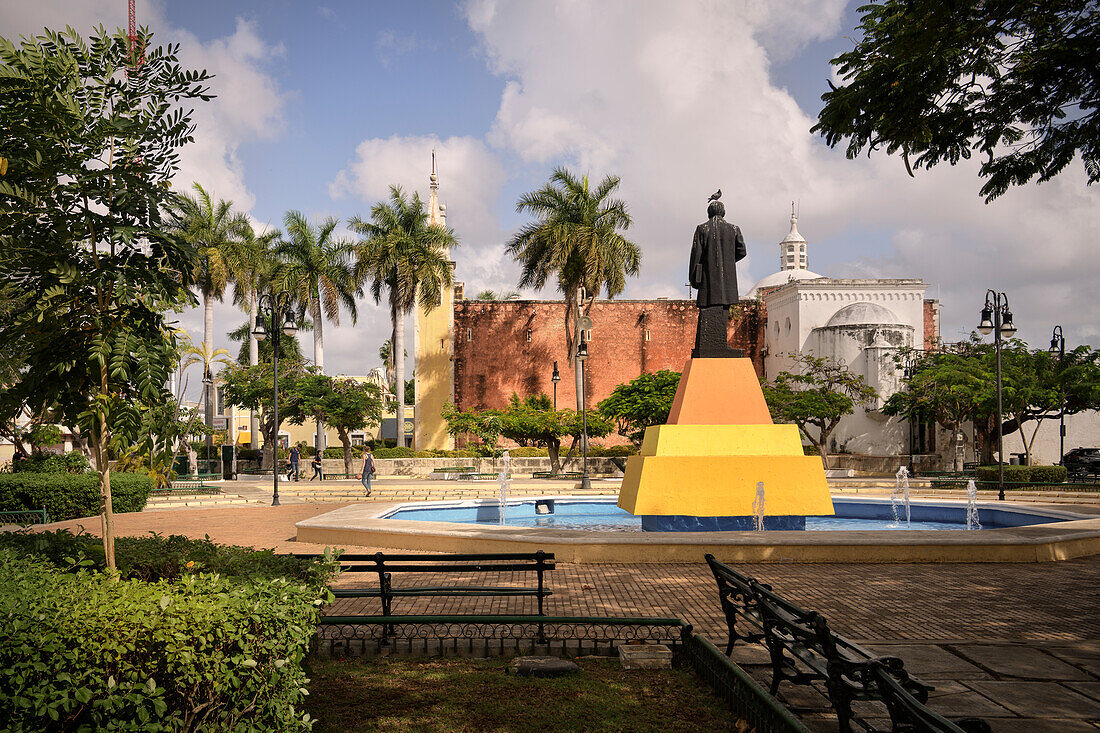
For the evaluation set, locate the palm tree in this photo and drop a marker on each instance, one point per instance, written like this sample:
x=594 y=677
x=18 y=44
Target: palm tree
x=317 y=269
x=290 y=349
x=577 y=240
x=492 y=295
x=385 y=353
x=252 y=269
x=206 y=356
x=217 y=231
x=404 y=256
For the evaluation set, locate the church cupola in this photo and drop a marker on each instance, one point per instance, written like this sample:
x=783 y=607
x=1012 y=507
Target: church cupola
x=792 y=250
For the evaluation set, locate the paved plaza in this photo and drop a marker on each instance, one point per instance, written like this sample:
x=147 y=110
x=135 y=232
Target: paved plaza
x=1017 y=644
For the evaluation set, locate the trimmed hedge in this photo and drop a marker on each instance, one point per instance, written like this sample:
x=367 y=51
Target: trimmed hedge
x=155 y=557
x=85 y=651
x=70 y=495
x=1033 y=475
x=71 y=462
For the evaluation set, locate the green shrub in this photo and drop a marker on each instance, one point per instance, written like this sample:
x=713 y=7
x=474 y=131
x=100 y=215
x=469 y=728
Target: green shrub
x=71 y=462
x=810 y=450
x=68 y=496
x=524 y=451
x=155 y=557
x=1013 y=474
x=85 y=651
x=249 y=454
x=401 y=452
x=1048 y=474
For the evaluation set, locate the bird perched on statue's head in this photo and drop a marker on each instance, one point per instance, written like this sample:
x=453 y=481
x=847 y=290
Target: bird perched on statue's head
x=716 y=195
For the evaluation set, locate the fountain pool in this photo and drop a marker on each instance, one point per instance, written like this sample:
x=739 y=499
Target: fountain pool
x=1012 y=532
x=600 y=514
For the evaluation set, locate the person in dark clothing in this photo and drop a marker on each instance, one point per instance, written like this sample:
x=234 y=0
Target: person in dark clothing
x=295 y=458
x=715 y=250
x=317 y=468
x=368 y=470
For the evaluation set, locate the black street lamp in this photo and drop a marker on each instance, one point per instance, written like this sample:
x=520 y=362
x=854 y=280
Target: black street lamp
x=208 y=390
x=277 y=306
x=582 y=357
x=909 y=372
x=997 y=319
x=555 y=378
x=1058 y=346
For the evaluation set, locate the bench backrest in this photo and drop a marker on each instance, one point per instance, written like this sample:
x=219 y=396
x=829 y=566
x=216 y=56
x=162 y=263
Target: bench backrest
x=380 y=562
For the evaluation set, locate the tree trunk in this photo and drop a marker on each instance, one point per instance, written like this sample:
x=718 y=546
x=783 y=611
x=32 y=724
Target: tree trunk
x=345 y=440
x=103 y=468
x=553 y=448
x=399 y=370
x=253 y=360
x=319 y=361
x=208 y=320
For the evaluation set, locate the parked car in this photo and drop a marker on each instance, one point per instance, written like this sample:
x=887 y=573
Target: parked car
x=1082 y=462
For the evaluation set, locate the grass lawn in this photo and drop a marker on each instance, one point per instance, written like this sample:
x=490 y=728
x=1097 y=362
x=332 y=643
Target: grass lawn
x=477 y=695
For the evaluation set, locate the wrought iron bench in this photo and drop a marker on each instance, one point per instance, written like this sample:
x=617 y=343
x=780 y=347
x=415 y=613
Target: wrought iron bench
x=908 y=715
x=802 y=648
x=385 y=565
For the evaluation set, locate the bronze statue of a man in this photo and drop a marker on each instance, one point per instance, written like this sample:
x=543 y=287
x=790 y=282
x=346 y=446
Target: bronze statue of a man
x=715 y=251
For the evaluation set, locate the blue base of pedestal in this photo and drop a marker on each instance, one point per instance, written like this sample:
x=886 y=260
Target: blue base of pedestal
x=684 y=523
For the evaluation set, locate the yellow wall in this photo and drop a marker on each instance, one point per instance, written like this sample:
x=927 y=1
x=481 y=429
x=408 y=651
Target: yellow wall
x=434 y=373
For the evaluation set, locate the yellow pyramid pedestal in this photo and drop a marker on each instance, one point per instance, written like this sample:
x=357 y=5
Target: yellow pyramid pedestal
x=719 y=444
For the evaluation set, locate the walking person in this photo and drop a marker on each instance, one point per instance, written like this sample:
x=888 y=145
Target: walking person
x=295 y=457
x=368 y=470
x=317 y=468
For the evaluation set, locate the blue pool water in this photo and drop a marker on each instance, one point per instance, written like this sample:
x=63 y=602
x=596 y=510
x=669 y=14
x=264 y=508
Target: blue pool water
x=605 y=516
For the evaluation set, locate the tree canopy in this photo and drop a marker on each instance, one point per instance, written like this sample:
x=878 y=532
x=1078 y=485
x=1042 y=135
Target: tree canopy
x=1014 y=81
x=640 y=403
x=91 y=154
x=816 y=397
x=342 y=403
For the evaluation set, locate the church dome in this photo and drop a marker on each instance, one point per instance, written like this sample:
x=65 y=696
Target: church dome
x=863 y=314
x=782 y=277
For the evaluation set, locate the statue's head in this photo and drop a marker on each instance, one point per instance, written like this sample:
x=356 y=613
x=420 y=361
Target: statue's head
x=716 y=208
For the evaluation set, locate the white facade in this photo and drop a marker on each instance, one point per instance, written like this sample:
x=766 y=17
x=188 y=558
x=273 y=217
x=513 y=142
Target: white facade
x=860 y=324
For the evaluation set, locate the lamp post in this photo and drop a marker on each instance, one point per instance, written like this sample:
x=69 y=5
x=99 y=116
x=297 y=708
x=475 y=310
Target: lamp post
x=555 y=378
x=1058 y=346
x=208 y=391
x=277 y=306
x=909 y=371
x=582 y=357
x=997 y=318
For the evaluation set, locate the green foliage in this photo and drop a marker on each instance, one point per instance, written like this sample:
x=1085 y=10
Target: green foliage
x=82 y=235
x=155 y=557
x=396 y=452
x=69 y=496
x=1048 y=474
x=638 y=404
x=342 y=403
x=816 y=397
x=250 y=387
x=1031 y=475
x=1014 y=81
x=576 y=239
x=86 y=651
x=71 y=462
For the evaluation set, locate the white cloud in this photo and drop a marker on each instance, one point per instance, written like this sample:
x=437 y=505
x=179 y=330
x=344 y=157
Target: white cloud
x=678 y=99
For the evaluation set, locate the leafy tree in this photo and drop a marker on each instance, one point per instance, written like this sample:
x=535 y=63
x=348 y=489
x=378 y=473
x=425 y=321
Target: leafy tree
x=407 y=259
x=1014 y=81
x=492 y=295
x=577 y=240
x=251 y=388
x=81 y=231
x=816 y=398
x=484 y=425
x=218 y=232
x=317 y=269
x=345 y=404
x=252 y=272
x=640 y=403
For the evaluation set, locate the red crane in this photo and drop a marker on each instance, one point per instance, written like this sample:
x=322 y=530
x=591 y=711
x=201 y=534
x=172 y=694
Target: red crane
x=137 y=52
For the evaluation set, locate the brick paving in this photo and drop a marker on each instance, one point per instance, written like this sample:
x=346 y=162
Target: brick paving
x=1018 y=644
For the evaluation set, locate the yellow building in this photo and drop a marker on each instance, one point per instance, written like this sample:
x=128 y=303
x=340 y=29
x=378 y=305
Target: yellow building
x=433 y=341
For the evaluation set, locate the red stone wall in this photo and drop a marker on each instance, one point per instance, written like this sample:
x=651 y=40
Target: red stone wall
x=493 y=357
x=931 y=324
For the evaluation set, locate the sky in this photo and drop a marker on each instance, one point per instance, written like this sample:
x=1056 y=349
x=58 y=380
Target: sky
x=321 y=107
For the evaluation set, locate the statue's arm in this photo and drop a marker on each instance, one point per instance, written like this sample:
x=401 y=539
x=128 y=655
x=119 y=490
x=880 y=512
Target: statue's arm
x=740 y=247
x=695 y=274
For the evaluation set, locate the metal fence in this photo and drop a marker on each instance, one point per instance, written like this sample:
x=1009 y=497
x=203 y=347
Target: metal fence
x=740 y=692
x=24 y=517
